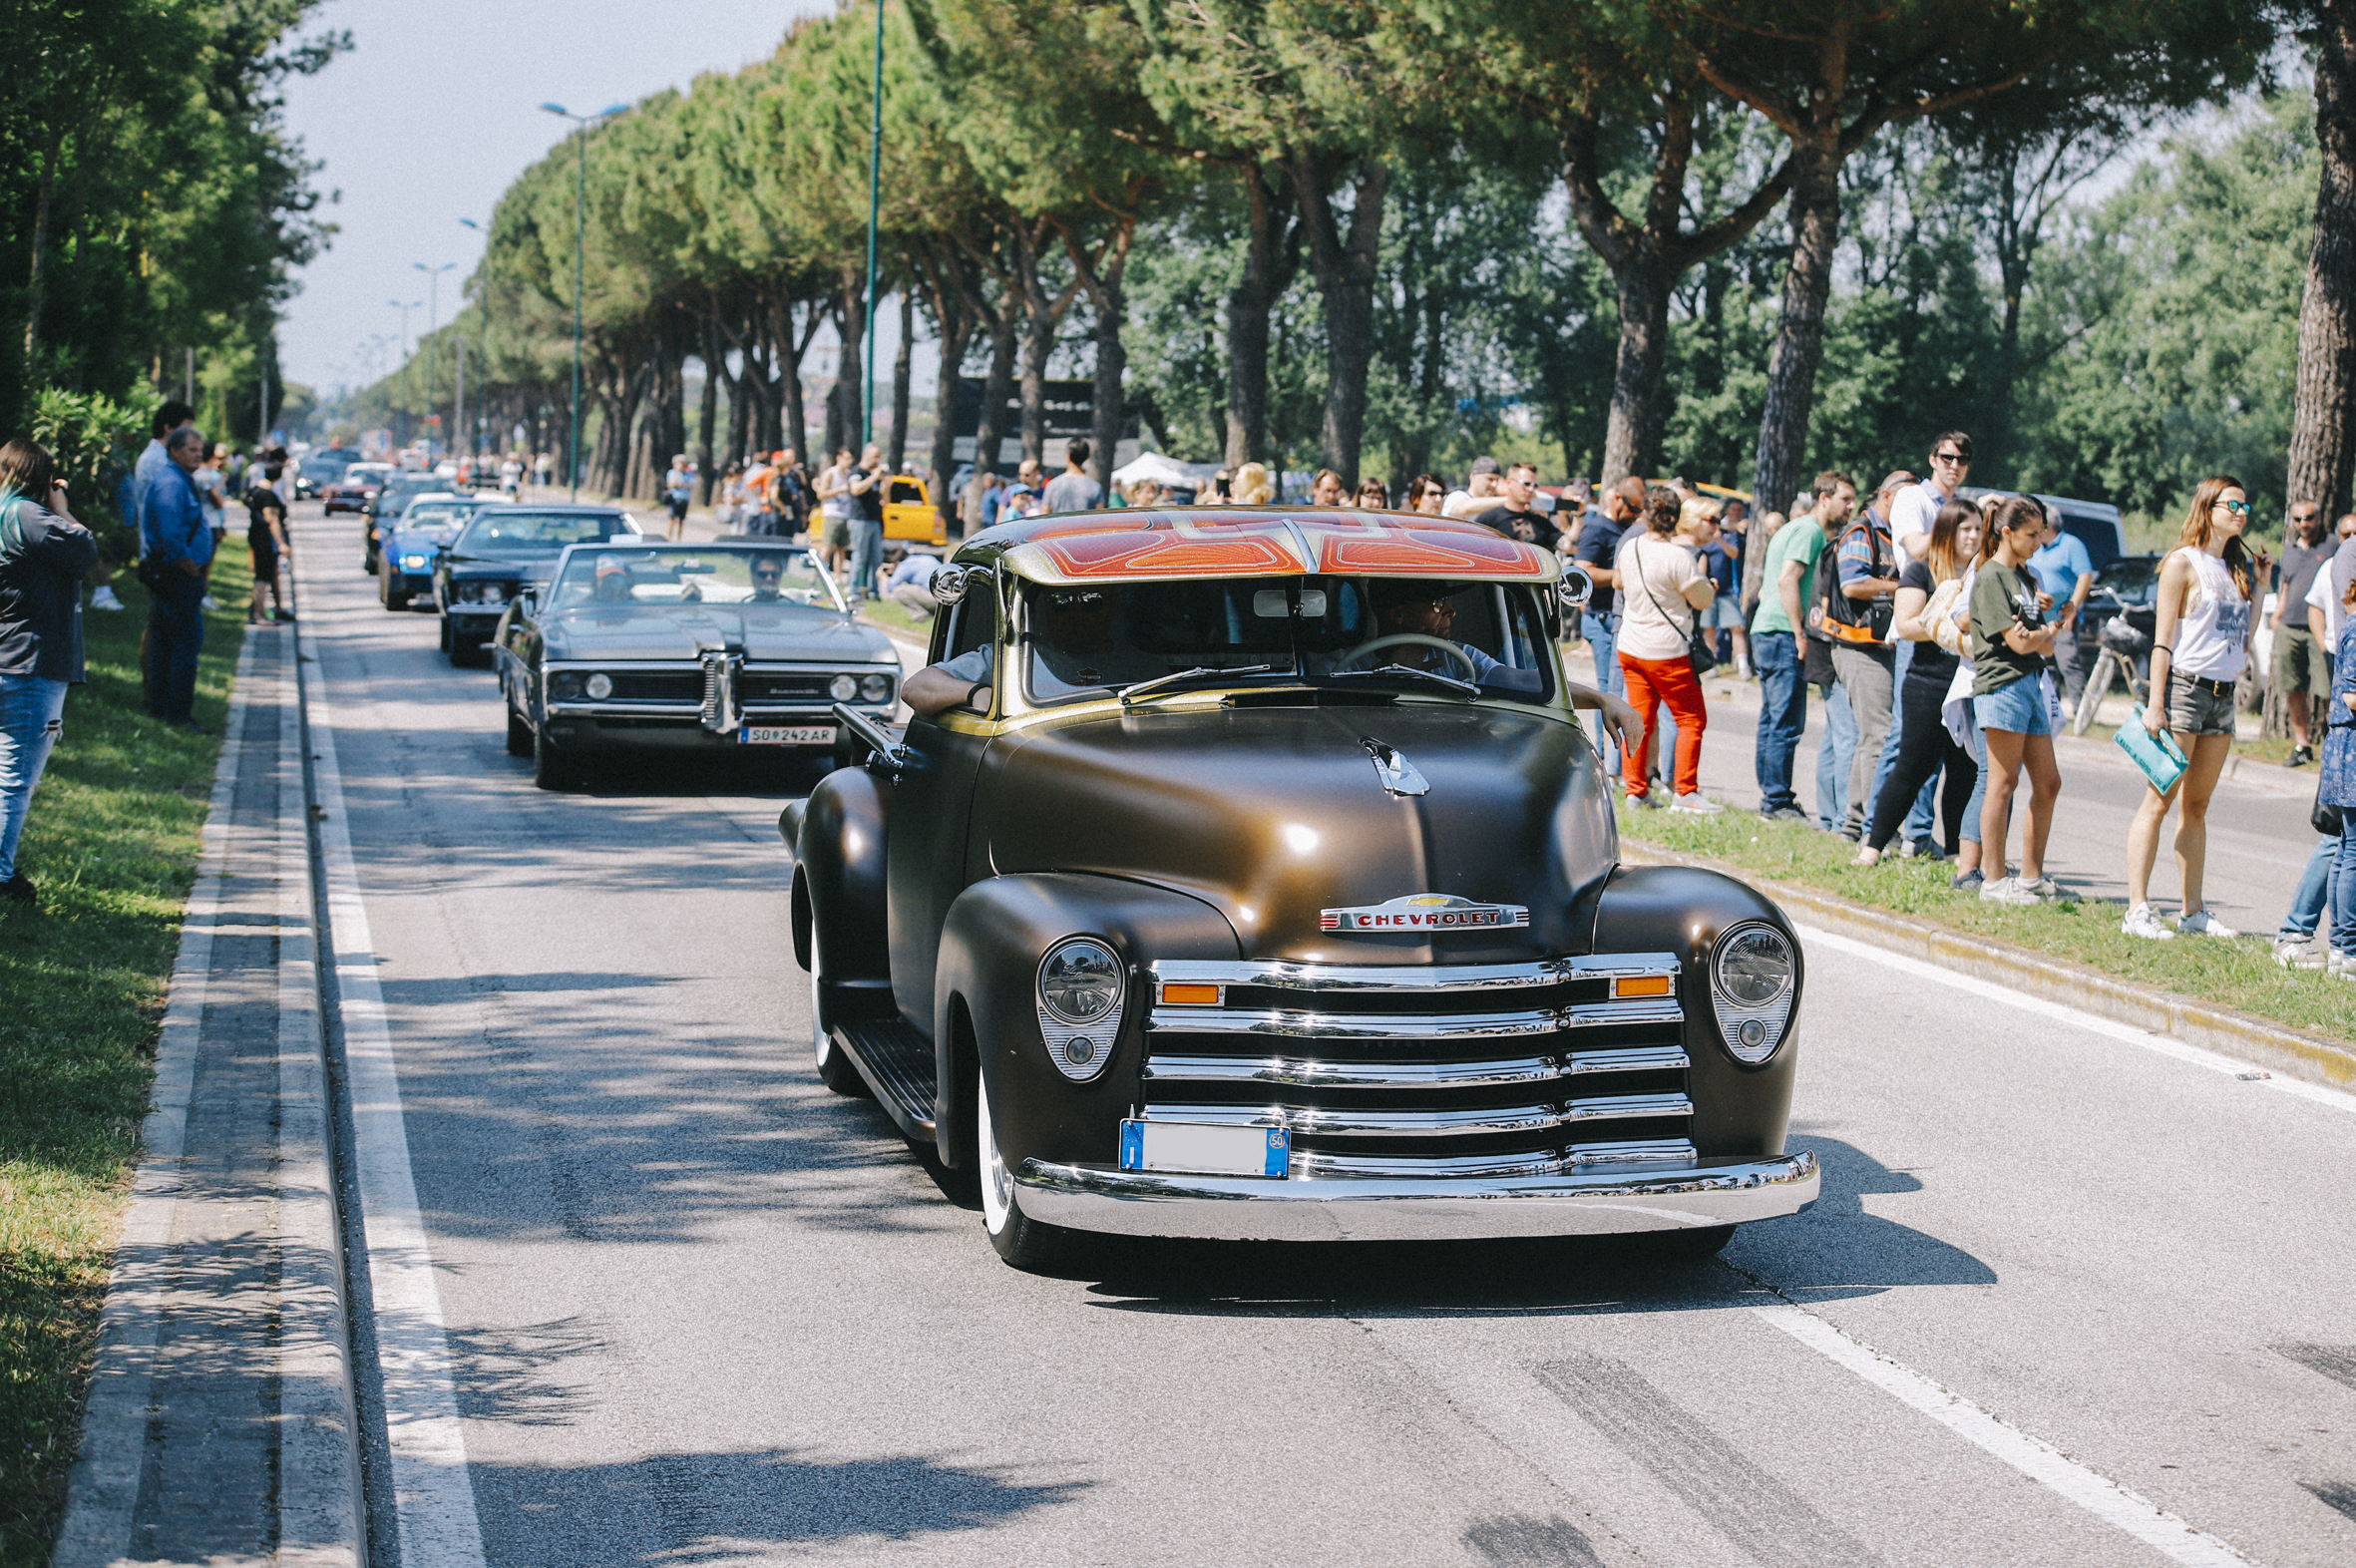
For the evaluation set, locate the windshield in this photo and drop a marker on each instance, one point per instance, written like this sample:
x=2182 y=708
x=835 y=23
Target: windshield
x=1082 y=641
x=781 y=575
x=512 y=531
x=2133 y=580
x=441 y=516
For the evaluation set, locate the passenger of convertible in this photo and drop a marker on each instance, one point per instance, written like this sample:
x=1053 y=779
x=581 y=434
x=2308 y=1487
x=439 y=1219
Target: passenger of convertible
x=614 y=581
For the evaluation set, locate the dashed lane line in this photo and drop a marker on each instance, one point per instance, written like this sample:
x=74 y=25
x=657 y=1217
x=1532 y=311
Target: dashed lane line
x=2042 y=1463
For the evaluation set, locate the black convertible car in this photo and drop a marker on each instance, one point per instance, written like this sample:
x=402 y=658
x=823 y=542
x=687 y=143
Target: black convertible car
x=635 y=645
x=500 y=551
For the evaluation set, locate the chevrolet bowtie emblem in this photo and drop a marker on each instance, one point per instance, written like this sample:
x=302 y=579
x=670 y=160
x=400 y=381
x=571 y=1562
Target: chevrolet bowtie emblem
x=1423 y=912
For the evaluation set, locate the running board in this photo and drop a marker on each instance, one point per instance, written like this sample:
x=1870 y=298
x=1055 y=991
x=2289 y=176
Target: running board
x=896 y=1063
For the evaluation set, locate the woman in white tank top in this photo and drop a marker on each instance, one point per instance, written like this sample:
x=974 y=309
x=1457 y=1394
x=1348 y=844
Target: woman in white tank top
x=2200 y=646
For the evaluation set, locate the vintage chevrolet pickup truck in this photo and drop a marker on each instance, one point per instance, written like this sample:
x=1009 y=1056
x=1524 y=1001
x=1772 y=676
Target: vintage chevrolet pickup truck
x=1268 y=887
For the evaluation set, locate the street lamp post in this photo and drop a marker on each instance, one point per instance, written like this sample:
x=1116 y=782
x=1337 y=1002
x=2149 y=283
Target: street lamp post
x=875 y=181
x=433 y=322
x=580 y=124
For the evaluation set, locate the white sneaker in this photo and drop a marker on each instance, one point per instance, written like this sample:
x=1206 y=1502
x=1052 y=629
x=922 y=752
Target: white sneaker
x=2296 y=953
x=2338 y=963
x=2144 y=921
x=2042 y=888
x=104 y=598
x=206 y=603
x=1697 y=804
x=2007 y=890
x=2204 y=924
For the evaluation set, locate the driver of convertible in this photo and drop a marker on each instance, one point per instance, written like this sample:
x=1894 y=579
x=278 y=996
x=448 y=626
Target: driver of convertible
x=1420 y=607
x=1075 y=620
x=612 y=582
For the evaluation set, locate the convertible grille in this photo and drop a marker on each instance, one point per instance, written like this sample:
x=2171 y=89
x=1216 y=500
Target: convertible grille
x=760 y=685
x=684 y=685
x=1450 y=1070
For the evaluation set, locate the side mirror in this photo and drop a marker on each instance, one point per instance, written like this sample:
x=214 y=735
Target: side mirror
x=1574 y=589
x=951 y=584
x=527 y=602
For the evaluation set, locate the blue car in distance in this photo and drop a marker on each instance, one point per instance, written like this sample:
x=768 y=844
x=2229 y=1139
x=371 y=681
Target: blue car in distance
x=412 y=541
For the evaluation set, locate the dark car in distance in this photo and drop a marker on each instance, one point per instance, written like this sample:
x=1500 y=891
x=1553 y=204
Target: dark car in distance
x=355 y=487
x=503 y=548
x=1274 y=892
x=673 y=649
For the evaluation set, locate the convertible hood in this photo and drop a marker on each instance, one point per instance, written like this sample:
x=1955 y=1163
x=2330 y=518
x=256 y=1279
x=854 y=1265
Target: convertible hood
x=762 y=633
x=1278 y=815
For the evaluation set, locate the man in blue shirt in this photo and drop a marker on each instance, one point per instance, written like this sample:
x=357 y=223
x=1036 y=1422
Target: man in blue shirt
x=174 y=547
x=1600 y=534
x=2067 y=574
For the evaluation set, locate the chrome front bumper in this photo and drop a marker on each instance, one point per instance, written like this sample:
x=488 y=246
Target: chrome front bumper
x=1601 y=1202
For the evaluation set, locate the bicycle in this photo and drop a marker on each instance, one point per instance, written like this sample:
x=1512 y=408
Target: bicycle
x=2124 y=652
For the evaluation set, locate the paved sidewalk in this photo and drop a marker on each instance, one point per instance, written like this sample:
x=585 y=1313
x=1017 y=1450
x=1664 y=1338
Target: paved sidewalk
x=220 y=1427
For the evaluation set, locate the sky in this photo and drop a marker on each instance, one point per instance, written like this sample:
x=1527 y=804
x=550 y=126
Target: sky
x=436 y=109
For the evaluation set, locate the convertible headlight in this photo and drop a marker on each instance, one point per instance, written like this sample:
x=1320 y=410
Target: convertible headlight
x=875 y=689
x=1081 y=990
x=843 y=687
x=600 y=687
x=1754 y=979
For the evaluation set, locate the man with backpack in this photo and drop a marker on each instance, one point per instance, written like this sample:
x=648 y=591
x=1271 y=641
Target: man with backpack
x=1855 y=621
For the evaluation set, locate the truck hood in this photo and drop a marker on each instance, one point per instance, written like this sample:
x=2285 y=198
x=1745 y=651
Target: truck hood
x=1277 y=815
x=763 y=634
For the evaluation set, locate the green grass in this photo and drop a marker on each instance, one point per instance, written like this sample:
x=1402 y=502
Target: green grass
x=112 y=842
x=893 y=617
x=2240 y=975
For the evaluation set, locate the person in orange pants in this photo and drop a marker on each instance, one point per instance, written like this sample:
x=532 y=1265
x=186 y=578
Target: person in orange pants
x=1663 y=591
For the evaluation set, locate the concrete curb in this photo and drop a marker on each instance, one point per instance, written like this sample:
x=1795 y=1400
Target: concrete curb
x=318 y=1505
x=2270 y=1046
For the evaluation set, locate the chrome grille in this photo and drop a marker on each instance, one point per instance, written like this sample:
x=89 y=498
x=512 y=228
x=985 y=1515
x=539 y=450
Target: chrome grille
x=1449 y=1070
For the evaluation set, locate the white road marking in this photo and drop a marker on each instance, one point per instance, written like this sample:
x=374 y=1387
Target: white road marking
x=433 y=1497
x=2077 y=1018
x=2042 y=1463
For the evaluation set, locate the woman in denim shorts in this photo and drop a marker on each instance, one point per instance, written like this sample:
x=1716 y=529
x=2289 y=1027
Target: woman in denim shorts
x=2012 y=646
x=2200 y=646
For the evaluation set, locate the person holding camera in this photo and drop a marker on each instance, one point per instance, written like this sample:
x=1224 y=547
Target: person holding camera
x=2012 y=647
x=44 y=556
x=2200 y=646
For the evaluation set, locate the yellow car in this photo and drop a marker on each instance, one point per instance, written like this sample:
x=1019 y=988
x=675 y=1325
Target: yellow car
x=909 y=512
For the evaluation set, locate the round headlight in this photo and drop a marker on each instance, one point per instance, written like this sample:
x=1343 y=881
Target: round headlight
x=1753 y=981
x=1080 y=984
x=875 y=689
x=843 y=687
x=601 y=686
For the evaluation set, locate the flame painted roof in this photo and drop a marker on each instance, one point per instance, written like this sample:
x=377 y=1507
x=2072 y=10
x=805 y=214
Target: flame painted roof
x=1142 y=544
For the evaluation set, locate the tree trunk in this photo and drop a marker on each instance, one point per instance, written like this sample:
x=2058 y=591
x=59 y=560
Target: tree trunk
x=908 y=332
x=991 y=433
x=1247 y=308
x=851 y=327
x=1800 y=333
x=739 y=409
x=1345 y=267
x=2324 y=422
x=1041 y=316
x=1632 y=432
x=1101 y=278
x=957 y=330
x=707 y=415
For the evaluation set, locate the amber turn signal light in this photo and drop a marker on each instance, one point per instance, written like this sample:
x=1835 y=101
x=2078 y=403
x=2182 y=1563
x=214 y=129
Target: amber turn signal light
x=1642 y=985
x=1190 y=996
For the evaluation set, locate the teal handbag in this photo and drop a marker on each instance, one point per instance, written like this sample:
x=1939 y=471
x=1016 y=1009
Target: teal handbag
x=2161 y=759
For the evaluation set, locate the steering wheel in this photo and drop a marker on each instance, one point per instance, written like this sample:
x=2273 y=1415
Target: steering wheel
x=1400 y=638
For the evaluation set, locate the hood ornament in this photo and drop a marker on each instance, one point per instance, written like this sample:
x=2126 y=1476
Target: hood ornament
x=1391 y=766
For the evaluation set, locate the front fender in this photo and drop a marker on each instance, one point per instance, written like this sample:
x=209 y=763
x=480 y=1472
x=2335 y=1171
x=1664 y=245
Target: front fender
x=992 y=944
x=839 y=852
x=1738 y=1109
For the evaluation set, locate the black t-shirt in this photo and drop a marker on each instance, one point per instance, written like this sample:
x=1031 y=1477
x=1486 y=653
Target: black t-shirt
x=1599 y=542
x=1929 y=665
x=260 y=506
x=868 y=504
x=1528 y=527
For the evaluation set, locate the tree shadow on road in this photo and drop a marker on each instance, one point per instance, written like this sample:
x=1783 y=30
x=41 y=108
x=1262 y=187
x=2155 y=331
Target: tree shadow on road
x=683 y=1508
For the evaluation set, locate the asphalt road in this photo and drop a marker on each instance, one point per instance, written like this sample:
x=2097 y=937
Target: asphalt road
x=698 y=1310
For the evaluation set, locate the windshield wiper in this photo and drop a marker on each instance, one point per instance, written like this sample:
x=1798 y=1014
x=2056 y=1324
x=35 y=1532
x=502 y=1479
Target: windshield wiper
x=1174 y=678
x=1450 y=681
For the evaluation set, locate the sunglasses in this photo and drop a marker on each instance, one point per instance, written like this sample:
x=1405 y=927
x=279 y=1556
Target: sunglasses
x=2237 y=508
x=1951 y=456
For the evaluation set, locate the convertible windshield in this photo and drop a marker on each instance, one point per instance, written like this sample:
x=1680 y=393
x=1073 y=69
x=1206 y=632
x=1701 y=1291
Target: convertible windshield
x=664 y=578
x=1368 y=631
x=513 y=531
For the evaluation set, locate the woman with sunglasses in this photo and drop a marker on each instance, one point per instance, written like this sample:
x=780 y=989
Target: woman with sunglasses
x=2200 y=646
x=2012 y=646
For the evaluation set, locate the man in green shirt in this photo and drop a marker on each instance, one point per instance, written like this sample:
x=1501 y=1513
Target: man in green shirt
x=1789 y=577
